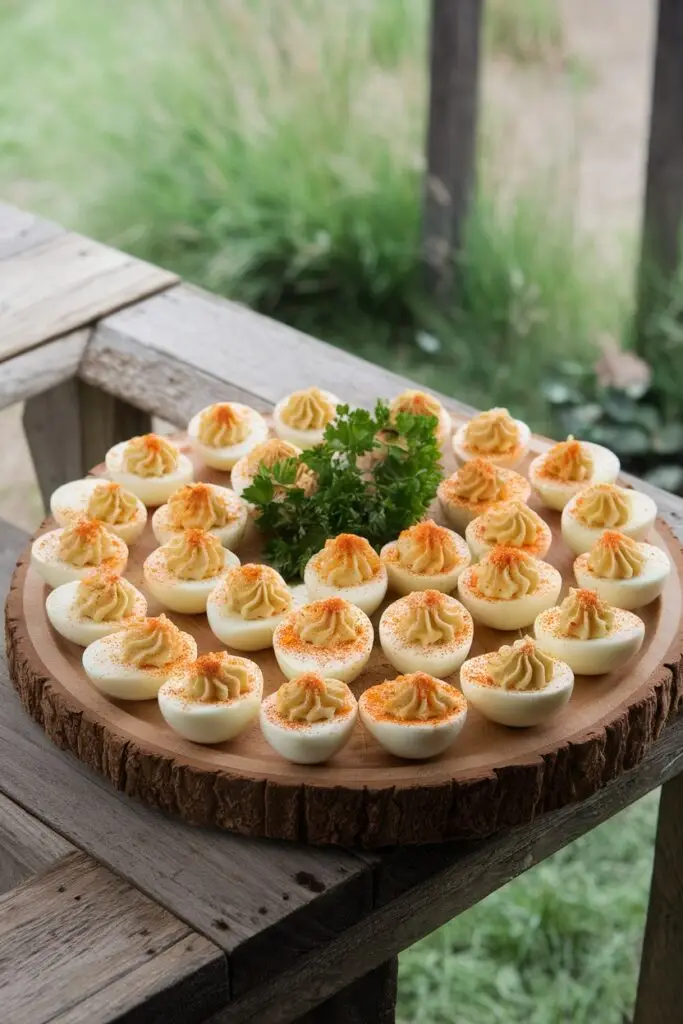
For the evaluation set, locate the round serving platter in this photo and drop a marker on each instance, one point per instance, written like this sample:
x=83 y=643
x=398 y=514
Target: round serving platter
x=491 y=778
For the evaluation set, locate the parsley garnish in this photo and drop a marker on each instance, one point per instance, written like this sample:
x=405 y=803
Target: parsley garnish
x=374 y=478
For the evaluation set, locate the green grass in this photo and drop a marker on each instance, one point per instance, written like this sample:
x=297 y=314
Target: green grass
x=528 y=32
x=559 y=944
x=273 y=152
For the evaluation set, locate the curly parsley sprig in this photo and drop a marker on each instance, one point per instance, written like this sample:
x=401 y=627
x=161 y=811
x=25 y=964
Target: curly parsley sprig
x=375 y=477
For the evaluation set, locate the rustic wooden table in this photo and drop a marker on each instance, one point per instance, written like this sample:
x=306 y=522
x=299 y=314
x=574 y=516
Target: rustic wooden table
x=112 y=911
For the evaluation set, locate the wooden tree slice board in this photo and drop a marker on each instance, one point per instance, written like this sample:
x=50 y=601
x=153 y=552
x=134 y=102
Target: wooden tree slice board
x=492 y=777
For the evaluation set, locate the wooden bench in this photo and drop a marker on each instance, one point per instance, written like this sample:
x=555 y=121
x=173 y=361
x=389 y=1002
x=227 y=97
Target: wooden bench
x=112 y=911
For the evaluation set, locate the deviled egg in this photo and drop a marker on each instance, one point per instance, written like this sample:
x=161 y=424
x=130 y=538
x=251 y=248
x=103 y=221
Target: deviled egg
x=150 y=466
x=120 y=510
x=301 y=417
x=567 y=467
x=225 y=432
x=182 y=573
x=427 y=631
x=212 y=699
x=426 y=556
x=347 y=567
x=414 y=716
x=202 y=506
x=310 y=718
x=71 y=552
x=99 y=604
x=508 y=588
x=475 y=488
x=626 y=573
x=247 y=605
x=419 y=403
x=606 y=507
x=518 y=684
x=332 y=638
x=492 y=435
x=132 y=663
x=513 y=524
x=267 y=455
x=589 y=634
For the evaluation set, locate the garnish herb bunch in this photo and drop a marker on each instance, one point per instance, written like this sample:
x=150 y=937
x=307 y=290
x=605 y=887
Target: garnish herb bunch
x=375 y=477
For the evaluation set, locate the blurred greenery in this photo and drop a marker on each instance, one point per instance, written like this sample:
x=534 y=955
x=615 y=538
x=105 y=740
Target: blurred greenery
x=273 y=152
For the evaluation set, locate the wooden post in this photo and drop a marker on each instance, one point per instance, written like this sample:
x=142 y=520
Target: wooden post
x=451 y=137
x=369 y=1000
x=70 y=427
x=663 y=216
x=660 y=987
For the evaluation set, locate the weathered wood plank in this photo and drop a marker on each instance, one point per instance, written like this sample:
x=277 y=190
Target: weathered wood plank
x=26 y=845
x=418 y=890
x=21 y=230
x=451 y=136
x=12 y=540
x=38 y=370
x=176 y=352
x=663 y=217
x=660 y=987
x=64 y=283
x=80 y=945
x=370 y=1000
x=70 y=427
x=267 y=904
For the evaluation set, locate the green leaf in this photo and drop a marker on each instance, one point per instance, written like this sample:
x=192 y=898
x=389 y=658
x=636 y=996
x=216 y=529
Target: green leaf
x=669 y=439
x=375 y=498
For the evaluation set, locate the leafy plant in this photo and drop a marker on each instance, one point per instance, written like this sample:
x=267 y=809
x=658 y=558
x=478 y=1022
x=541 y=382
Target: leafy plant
x=374 y=478
x=631 y=419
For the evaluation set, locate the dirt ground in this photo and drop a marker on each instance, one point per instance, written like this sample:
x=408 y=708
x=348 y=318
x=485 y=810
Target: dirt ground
x=587 y=126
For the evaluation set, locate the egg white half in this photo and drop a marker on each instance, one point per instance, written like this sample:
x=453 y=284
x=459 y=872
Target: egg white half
x=332 y=664
x=474 y=535
x=245 y=634
x=508 y=461
x=301 y=438
x=48 y=563
x=515 y=613
x=459 y=513
x=188 y=597
x=519 y=708
x=105 y=668
x=152 y=490
x=71 y=500
x=405 y=581
x=556 y=493
x=629 y=593
x=304 y=742
x=210 y=723
x=438 y=660
x=413 y=741
x=229 y=535
x=225 y=458
x=367 y=596
x=580 y=538
x=65 y=618
x=599 y=655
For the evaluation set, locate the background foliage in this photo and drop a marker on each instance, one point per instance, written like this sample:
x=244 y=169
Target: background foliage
x=273 y=152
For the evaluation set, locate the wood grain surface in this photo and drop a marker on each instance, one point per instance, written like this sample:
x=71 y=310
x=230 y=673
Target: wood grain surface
x=454 y=50
x=490 y=779
x=112 y=958
x=70 y=426
x=21 y=230
x=26 y=845
x=64 y=282
x=149 y=354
